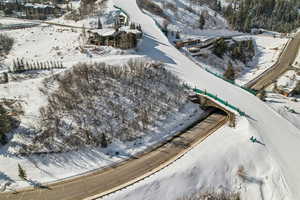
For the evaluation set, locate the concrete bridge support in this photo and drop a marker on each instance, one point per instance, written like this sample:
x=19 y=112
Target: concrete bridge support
x=205 y=102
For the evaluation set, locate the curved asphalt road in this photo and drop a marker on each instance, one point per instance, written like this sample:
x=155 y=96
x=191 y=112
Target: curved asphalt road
x=112 y=179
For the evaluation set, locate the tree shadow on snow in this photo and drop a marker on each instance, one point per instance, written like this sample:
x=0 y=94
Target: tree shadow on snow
x=254 y=180
x=4 y=177
x=37 y=184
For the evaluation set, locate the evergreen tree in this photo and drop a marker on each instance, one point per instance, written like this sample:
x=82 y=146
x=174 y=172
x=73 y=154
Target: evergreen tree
x=219 y=6
x=220 y=47
x=262 y=95
x=5 y=125
x=104 y=142
x=277 y=15
x=201 y=21
x=247 y=25
x=177 y=35
x=229 y=74
x=99 y=24
x=22 y=172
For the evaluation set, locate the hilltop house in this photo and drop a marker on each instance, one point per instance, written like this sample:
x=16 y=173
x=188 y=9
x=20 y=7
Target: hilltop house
x=124 y=39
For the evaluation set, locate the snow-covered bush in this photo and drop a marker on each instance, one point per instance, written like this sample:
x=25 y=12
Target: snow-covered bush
x=6 y=43
x=96 y=101
x=212 y=196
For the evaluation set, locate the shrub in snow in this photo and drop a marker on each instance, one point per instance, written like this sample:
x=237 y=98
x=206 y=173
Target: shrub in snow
x=22 y=172
x=213 y=196
x=97 y=103
x=6 y=124
x=229 y=74
x=6 y=43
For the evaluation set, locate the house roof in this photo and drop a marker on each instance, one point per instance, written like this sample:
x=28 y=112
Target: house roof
x=104 y=32
x=38 y=5
x=112 y=32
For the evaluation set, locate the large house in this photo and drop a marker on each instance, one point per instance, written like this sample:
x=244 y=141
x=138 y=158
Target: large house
x=19 y=8
x=41 y=11
x=109 y=37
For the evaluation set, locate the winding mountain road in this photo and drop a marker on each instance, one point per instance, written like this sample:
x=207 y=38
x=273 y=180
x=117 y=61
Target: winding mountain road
x=103 y=182
x=283 y=147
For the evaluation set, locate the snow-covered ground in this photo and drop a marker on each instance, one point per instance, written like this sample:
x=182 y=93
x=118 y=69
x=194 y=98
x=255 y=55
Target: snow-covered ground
x=106 y=15
x=271 y=170
x=215 y=164
x=261 y=118
x=268 y=50
x=288 y=81
x=8 y=21
x=53 y=43
x=54 y=167
x=187 y=23
x=286 y=107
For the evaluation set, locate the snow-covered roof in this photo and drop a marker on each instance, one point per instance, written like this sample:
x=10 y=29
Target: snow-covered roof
x=12 y=1
x=128 y=30
x=38 y=5
x=108 y=32
x=104 y=32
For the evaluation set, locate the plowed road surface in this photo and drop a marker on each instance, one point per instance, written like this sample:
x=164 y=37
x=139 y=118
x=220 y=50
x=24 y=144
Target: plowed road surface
x=109 y=180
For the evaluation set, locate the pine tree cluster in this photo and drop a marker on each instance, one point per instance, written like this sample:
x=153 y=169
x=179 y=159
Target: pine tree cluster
x=276 y=15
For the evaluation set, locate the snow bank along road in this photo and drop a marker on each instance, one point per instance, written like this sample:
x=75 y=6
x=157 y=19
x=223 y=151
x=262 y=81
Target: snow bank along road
x=282 y=65
x=282 y=139
x=106 y=181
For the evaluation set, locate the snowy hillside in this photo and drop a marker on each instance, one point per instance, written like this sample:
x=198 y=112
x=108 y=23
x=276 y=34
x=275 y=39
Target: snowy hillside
x=105 y=105
x=183 y=16
x=29 y=98
x=262 y=119
x=127 y=103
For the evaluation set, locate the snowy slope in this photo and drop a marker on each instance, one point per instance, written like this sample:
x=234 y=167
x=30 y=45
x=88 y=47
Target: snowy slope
x=205 y=168
x=270 y=125
x=183 y=16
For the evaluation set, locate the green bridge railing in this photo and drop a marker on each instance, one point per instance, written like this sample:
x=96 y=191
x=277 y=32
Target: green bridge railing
x=215 y=97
